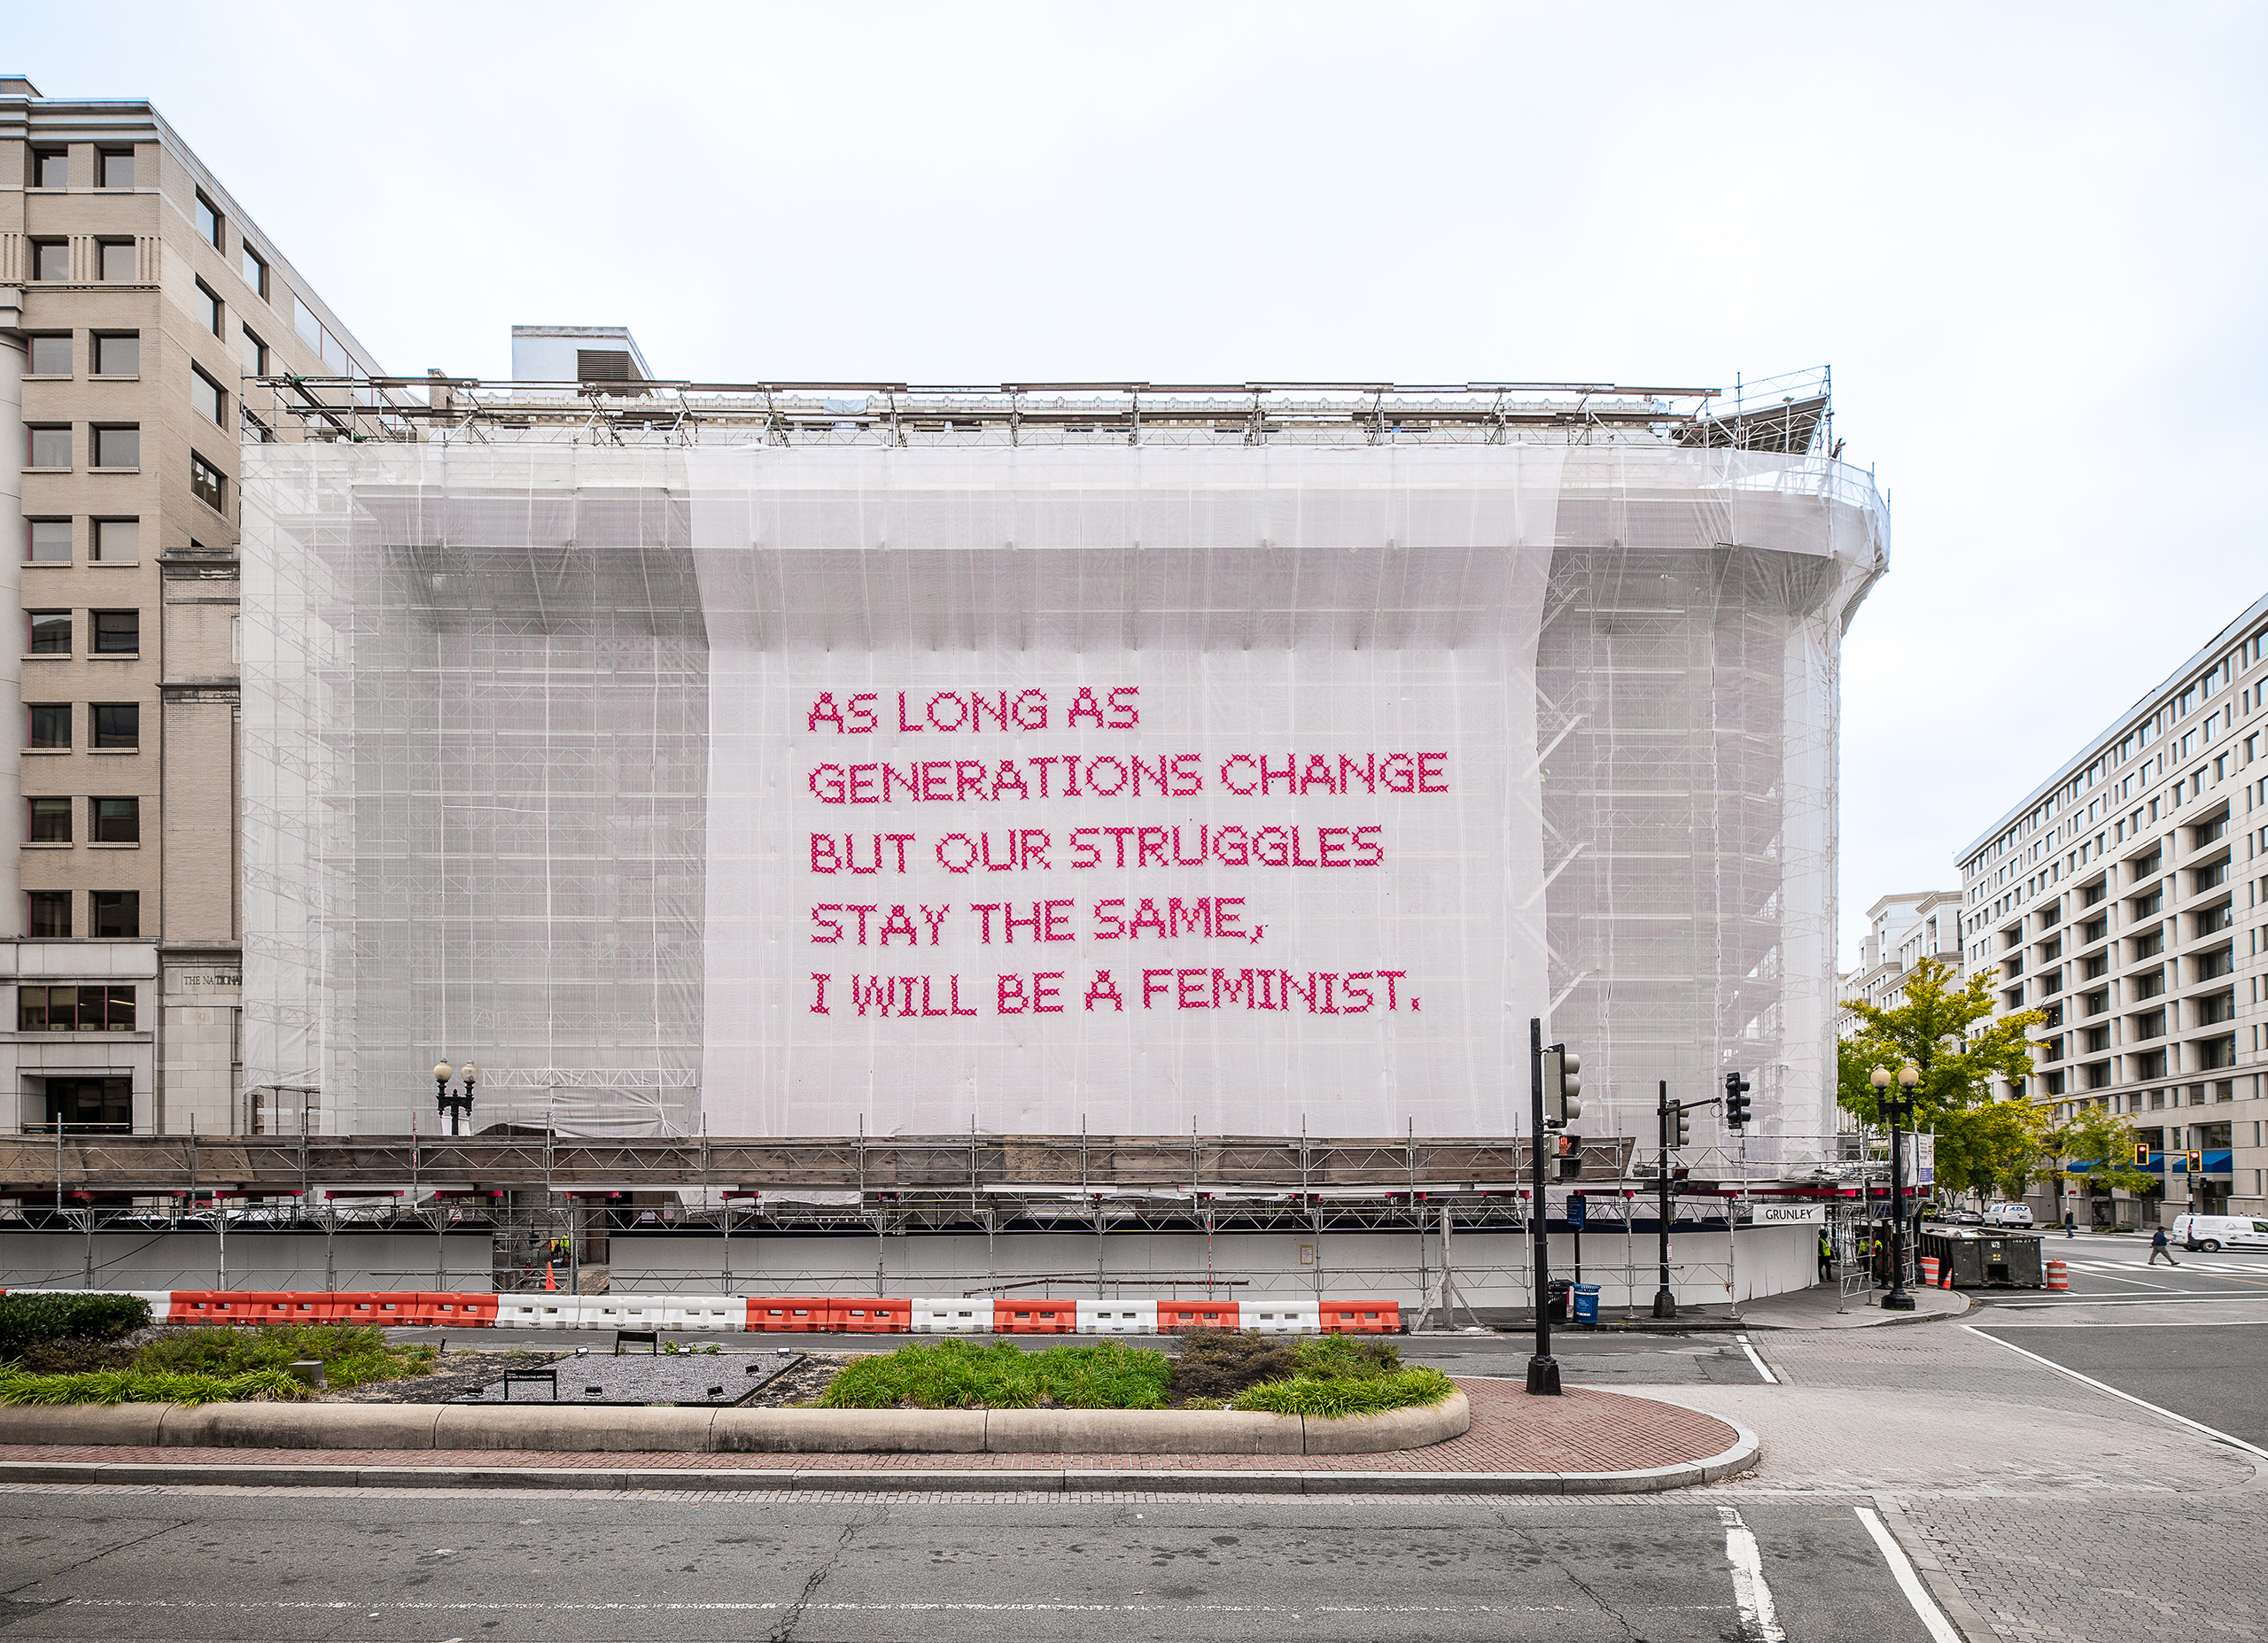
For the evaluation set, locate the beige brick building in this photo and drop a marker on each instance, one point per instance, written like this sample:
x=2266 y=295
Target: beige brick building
x=136 y=298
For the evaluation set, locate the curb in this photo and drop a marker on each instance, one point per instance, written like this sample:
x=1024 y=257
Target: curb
x=568 y=1428
x=1652 y=1480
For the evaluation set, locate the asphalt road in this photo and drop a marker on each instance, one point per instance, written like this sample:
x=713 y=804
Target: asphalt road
x=274 y=1565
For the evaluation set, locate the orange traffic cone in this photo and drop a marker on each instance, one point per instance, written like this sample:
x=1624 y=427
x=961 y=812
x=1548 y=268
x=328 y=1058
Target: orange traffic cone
x=549 y=1280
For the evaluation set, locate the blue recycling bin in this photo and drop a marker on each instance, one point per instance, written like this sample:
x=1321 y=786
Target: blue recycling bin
x=1587 y=1304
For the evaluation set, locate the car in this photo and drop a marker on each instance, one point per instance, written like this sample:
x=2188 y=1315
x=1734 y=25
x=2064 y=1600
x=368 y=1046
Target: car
x=2008 y=1215
x=2213 y=1232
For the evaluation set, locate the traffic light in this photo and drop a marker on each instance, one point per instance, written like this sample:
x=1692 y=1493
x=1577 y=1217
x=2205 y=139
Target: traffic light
x=1677 y=1126
x=2196 y=1161
x=2141 y=1155
x=1562 y=1099
x=1571 y=1157
x=1736 y=1101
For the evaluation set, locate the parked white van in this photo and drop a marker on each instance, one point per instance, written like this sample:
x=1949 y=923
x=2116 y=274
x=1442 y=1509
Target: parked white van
x=2008 y=1215
x=2212 y=1232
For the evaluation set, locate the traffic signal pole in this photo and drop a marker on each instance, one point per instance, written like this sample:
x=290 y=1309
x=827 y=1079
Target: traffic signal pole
x=1542 y=1369
x=1665 y=1303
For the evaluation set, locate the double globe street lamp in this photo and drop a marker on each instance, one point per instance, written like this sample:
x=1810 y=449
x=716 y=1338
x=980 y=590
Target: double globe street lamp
x=1897 y=1110
x=455 y=1105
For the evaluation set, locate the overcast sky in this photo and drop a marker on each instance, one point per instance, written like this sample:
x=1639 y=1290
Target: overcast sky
x=2028 y=238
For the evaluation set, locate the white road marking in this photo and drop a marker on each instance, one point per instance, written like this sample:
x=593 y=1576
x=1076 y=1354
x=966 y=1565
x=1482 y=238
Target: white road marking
x=1770 y=1379
x=2140 y=1403
x=1908 y=1579
x=1759 y=1623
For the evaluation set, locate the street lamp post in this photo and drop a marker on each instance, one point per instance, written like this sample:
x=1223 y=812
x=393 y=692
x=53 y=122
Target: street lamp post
x=455 y=1105
x=1895 y=1109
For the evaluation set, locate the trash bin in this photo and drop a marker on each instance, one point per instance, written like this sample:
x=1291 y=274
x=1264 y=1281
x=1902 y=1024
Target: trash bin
x=1557 y=1291
x=1587 y=1304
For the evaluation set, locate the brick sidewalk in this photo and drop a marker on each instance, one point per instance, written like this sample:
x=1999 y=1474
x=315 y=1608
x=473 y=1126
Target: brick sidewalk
x=1581 y=1430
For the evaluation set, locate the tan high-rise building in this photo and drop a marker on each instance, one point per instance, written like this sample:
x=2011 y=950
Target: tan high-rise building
x=136 y=298
x=2123 y=899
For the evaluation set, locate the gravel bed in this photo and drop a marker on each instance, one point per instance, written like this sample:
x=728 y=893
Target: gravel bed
x=635 y=1378
x=454 y=1375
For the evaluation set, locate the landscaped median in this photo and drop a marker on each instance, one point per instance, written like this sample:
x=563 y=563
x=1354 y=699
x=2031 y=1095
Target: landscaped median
x=1221 y=1394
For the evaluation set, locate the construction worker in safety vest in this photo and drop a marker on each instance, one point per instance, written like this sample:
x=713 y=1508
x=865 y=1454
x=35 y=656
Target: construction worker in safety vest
x=1826 y=1256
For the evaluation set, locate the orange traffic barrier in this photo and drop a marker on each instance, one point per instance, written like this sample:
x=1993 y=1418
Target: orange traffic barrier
x=876 y=1316
x=254 y=1307
x=1361 y=1317
x=390 y=1308
x=451 y=1307
x=2059 y=1276
x=1044 y=1317
x=1178 y=1317
x=1930 y=1271
x=796 y=1313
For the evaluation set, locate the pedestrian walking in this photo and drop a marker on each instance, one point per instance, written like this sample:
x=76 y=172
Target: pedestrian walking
x=2071 y=1225
x=2158 y=1248
x=1826 y=1256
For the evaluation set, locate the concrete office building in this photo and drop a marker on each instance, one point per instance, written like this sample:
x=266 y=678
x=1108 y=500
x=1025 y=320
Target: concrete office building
x=2124 y=898
x=136 y=297
x=1901 y=931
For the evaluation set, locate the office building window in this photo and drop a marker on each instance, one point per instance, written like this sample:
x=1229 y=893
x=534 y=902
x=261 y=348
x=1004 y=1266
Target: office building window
x=206 y=482
x=208 y=219
x=205 y=395
x=117 y=166
x=47 y=726
x=47 y=541
x=51 y=632
x=118 y=354
x=255 y=356
x=117 y=633
x=118 y=913
x=51 y=356
x=90 y=1106
x=47 y=445
x=50 y=168
x=117 y=821
x=206 y=306
x=50 y=259
x=118 y=725
x=118 y=541
x=48 y=822
x=118 y=446
x=255 y=272
x=120 y=264
x=103 y=1008
x=49 y=915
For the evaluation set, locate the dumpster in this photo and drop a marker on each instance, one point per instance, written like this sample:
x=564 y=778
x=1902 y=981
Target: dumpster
x=1587 y=1305
x=1986 y=1260
x=1559 y=1289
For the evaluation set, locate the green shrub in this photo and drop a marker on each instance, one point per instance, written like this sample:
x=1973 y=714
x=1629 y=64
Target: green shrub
x=115 y=1386
x=350 y=1353
x=1398 y=1389
x=957 y=1375
x=33 y=1320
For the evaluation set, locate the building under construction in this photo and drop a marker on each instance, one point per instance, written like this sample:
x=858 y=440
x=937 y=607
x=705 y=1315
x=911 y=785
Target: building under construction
x=999 y=835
